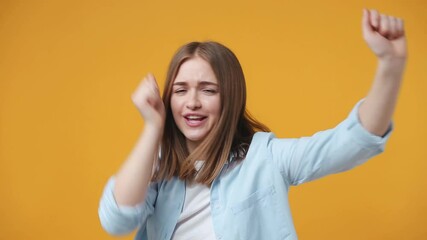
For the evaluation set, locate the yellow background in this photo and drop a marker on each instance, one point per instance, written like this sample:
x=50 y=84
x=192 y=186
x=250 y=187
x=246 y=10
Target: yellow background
x=68 y=68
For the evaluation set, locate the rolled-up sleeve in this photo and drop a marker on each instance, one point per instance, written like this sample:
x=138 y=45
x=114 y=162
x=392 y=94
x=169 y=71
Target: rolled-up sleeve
x=119 y=220
x=347 y=145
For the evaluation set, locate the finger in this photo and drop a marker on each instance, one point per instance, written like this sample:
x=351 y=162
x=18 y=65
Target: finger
x=150 y=96
x=144 y=90
x=153 y=82
x=152 y=101
x=399 y=27
x=375 y=19
x=147 y=85
x=384 y=28
x=142 y=84
x=152 y=79
x=366 y=25
x=140 y=92
x=393 y=28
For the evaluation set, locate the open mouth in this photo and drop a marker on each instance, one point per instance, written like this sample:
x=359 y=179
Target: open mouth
x=194 y=121
x=194 y=118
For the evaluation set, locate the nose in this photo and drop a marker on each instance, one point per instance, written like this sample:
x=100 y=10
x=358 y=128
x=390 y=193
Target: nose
x=193 y=101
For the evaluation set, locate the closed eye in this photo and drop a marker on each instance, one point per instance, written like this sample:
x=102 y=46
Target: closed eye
x=210 y=91
x=180 y=91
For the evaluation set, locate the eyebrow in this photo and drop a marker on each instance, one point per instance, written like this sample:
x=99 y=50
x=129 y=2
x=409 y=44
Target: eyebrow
x=200 y=83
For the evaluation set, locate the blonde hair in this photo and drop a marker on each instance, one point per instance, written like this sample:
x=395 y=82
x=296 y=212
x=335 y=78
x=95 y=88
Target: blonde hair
x=231 y=135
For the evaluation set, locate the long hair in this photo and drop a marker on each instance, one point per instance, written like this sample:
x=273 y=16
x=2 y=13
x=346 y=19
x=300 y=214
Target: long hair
x=230 y=136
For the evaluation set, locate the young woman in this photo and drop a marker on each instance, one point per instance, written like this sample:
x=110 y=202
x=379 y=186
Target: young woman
x=204 y=169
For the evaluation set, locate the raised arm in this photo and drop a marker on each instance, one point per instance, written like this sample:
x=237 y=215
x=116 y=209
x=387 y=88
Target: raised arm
x=385 y=36
x=134 y=176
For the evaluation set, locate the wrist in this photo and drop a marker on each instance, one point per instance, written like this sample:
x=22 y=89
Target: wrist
x=156 y=130
x=393 y=65
x=392 y=61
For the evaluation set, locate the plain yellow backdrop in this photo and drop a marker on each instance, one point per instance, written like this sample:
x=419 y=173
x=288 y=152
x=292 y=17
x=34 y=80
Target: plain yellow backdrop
x=68 y=68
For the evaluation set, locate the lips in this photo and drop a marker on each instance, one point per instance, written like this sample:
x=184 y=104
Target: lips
x=194 y=120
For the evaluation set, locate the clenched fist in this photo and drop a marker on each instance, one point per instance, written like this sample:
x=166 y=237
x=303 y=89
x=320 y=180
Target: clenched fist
x=385 y=35
x=149 y=103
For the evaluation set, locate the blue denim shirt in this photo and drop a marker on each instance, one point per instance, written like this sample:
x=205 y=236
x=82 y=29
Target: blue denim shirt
x=249 y=199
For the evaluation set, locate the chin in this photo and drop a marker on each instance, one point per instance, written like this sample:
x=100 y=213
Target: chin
x=194 y=138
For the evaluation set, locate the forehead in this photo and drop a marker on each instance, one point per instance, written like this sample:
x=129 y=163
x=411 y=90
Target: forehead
x=195 y=70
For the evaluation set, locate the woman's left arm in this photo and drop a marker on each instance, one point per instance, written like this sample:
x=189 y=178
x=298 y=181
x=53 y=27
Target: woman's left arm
x=385 y=36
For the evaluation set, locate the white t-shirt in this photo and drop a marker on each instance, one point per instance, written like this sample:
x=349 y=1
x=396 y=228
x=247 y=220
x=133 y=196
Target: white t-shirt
x=195 y=221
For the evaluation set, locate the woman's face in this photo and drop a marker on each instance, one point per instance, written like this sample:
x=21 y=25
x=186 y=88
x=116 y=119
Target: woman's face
x=195 y=100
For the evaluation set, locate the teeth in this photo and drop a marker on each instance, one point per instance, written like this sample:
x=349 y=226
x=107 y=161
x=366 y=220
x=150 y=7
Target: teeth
x=194 y=117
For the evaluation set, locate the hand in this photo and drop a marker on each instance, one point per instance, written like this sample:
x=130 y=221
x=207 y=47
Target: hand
x=384 y=35
x=148 y=101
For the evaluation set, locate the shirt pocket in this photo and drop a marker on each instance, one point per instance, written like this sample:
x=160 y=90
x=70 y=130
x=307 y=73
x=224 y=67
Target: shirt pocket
x=256 y=216
x=262 y=197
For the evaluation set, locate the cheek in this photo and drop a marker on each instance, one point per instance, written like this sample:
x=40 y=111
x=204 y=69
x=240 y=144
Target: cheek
x=174 y=107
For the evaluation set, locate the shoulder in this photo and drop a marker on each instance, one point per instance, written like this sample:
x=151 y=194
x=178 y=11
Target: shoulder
x=262 y=136
x=260 y=142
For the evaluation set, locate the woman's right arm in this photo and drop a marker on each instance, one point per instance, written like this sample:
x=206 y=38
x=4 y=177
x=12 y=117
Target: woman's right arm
x=132 y=180
x=129 y=196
